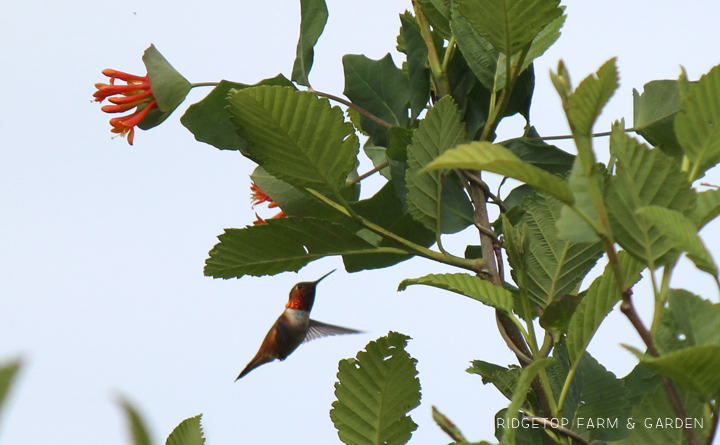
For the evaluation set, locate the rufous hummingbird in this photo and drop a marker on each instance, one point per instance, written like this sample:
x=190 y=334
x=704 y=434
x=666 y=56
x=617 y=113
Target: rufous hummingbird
x=294 y=327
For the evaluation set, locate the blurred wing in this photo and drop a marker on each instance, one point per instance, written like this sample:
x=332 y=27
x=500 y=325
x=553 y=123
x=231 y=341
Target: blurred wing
x=317 y=329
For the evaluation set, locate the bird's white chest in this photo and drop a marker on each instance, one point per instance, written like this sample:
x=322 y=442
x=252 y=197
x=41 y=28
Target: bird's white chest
x=297 y=318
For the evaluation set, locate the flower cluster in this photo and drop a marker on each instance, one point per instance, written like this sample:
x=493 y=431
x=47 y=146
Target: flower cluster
x=258 y=197
x=135 y=94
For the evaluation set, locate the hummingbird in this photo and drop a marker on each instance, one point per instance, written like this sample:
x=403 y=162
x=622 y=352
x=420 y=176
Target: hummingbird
x=294 y=327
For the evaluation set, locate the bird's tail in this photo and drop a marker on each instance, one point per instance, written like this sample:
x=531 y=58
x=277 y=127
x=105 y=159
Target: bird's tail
x=259 y=360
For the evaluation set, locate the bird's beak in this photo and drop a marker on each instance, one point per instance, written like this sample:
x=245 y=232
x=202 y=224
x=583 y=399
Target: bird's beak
x=323 y=277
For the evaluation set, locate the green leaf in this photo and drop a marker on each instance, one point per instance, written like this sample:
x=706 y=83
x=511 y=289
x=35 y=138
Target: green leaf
x=571 y=226
x=417 y=64
x=314 y=15
x=189 y=432
x=601 y=296
x=555 y=267
x=602 y=396
x=540 y=154
x=643 y=178
x=654 y=114
x=375 y=392
x=448 y=426
x=137 y=426
x=504 y=379
x=379 y=87
x=437 y=12
x=695 y=367
x=291 y=200
x=209 y=120
x=708 y=207
x=7 y=376
x=378 y=156
x=556 y=316
x=526 y=377
x=509 y=25
x=168 y=86
x=283 y=244
x=681 y=230
x=296 y=136
x=698 y=125
x=440 y=131
x=498 y=159
x=697 y=319
x=468 y=285
x=400 y=139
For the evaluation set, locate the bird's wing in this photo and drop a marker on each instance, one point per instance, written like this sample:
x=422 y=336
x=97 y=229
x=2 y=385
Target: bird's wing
x=318 y=329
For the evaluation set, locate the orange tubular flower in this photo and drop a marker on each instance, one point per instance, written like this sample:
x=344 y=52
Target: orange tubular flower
x=125 y=97
x=258 y=197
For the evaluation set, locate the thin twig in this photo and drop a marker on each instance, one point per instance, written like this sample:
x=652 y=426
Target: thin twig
x=555 y=427
x=569 y=136
x=369 y=173
x=360 y=109
x=628 y=309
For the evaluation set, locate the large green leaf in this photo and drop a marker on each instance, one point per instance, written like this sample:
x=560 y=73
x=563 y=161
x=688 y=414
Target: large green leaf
x=440 y=131
x=291 y=200
x=509 y=25
x=189 y=432
x=695 y=367
x=313 y=17
x=138 y=430
x=556 y=316
x=526 y=377
x=498 y=159
x=283 y=244
x=209 y=120
x=379 y=87
x=697 y=320
x=296 y=136
x=7 y=376
x=601 y=296
x=571 y=226
x=375 y=392
x=654 y=114
x=555 y=267
x=708 y=207
x=681 y=230
x=644 y=177
x=417 y=64
x=698 y=125
x=468 y=285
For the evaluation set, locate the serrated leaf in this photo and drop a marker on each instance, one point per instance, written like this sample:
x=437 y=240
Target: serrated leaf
x=698 y=125
x=440 y=131
x=498 y=159
x=554 y=267
x=189 y=432
x=169 y=87
x=695 y=367
x=526 y=377
x=540 y=154
x=708 y=207
x=654 y=114
x=283 y=244
x=509 y=25
x=296 y=136
x=601 y=296
x=379 y=87
x=7 y=376
x=137 y=428
x=571 y=226
x=375 y=392
x=313 y=17
x=417 y=64
x=644 y=177
x=504 y=379
x=681 y=230
x=209 y=120
x=468 y=285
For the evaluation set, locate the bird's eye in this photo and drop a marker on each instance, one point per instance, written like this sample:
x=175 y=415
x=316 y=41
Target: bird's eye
x=300 y=286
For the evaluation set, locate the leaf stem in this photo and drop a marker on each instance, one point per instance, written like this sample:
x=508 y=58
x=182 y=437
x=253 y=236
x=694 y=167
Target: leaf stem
x=555 y=427
x=204 y=84
x=448 y=53
x=369 y=173
x=569 y=136
x=439 y=76
x=347 y=103
x=407 y=246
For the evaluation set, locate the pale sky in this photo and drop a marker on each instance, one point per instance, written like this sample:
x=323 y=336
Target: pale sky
x=102 y=244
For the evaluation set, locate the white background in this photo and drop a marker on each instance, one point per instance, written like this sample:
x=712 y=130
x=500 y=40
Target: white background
x=102 y=244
